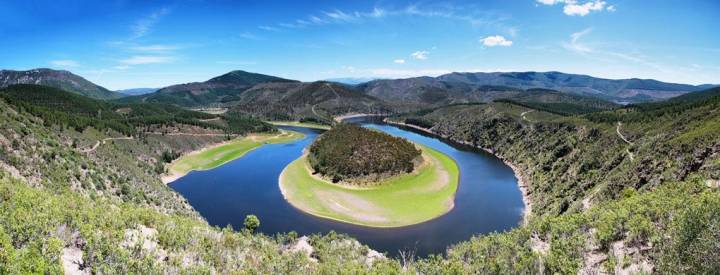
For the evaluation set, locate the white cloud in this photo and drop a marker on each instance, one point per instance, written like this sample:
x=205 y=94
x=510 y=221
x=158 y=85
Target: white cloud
x=575 y=45
x=65 y=63
x=399 y=61
x=317 y=20
x=496 y=40
x=420 y=55
x=575 y=7
x=144 y=25
x=147 y=59
x=155 y=48
x=249 y=36
x=268 y=28
x=340 y=15
x=468 y=14
x=377 y=13
x=549 y=2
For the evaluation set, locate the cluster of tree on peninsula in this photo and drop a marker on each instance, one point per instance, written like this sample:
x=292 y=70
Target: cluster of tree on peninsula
x=349 y=152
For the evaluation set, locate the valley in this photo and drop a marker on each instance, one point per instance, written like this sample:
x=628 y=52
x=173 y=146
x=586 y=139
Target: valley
x=568 y=182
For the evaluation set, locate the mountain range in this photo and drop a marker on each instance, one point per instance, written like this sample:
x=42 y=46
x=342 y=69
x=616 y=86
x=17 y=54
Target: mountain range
x=260 y=94
x=488 y=86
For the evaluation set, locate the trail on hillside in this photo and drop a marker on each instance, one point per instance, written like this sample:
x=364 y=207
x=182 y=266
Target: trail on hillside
x=103 y=141
x=627 y=150
x=522 y=115
x=209 y=119
x=191 y=134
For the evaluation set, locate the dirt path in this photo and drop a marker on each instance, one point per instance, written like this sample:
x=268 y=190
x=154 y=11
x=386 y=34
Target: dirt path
x=619 y=124
x=191 y=134
x=209 y=119
x=522 y=115
x=103 y=141
x=627 y=150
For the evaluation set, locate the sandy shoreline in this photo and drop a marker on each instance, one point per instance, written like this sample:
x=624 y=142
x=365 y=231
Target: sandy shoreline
x=522 y=183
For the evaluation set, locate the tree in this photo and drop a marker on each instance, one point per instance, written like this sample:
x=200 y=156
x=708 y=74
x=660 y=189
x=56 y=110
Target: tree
x=251 y=222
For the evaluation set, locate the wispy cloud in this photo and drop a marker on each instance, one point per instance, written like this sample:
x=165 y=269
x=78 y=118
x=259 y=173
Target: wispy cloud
x=475 y=16
x=609 y=55
x=269 y=28
x=575 y=45
x=575 y=7
x=144 y=25
x=350 y=71
x=496 y=40
x=399 y=61
x=249 y=36
x=342 y=16
x=155 y=48
x=147 y=59
x=65 y=63
x=420 y=55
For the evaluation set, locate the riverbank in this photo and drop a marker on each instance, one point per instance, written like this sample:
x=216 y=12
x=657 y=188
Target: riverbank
x=349 y=116
x=214 y=155
x=300 y=124
x=405 y=200
x=519 y=175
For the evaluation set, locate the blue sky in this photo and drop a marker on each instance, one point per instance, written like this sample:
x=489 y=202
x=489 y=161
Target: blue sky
x=127 y=44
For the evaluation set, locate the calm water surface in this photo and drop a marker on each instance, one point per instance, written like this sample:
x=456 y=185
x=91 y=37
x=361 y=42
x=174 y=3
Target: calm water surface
x=487 y=200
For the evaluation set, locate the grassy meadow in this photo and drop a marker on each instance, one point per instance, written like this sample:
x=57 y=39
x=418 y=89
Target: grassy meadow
x=408 y=199
x=218 y=155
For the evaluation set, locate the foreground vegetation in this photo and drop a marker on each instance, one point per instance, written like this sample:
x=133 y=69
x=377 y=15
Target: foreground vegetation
x=397 y=201
x=675 y=225
x=351 y=153
x=215 y=156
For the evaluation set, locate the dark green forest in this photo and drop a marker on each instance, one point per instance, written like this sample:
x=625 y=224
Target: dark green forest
x=349 y=151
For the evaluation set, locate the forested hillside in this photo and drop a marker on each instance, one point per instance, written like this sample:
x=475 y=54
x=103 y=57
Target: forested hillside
x=56 y=106
x=316 y=100
x=572 y=162
x=212 y=92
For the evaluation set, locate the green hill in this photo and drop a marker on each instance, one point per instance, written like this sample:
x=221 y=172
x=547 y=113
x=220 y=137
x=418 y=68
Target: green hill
x=56 y=106
x=63 y=80
x=213 y=91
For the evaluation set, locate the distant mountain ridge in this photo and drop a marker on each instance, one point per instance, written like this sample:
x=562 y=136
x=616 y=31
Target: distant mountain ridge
x=58 y=79
x=468 y=84
x=137 y=91
x=212 y=91
x=352 y=80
